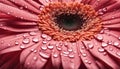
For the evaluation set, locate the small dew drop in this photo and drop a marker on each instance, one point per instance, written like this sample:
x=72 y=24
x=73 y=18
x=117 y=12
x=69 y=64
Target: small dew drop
x=118 y=53
x=116 y=44
x=16 y=42
x=104 y=44
x=100 y=13
x=8 y=13
x=59 y=48
x=48 y=38
x=100 y=37
x=22 y=46
x=90 y=45
x=84 y=54
x=32 y=33
x=21 y=17
x=70 y=50
x=44 y=36
x=50 y=46
x=35 y=58
x=44 y=41
x=35 y=39
x=110 y=48
x=2 y=42
x=44 y=47
x=71 y=55
x=35 y=51
x=113 y=17
x=86 y=61
x=55 y=55
x=21 y=8
x=26 y=41
x=65 y=43
x=43 y=55
x=105 y=53
x=101 y=50
x=26 y=6
x=119 y=38
x=66 y=52
x=104 y=9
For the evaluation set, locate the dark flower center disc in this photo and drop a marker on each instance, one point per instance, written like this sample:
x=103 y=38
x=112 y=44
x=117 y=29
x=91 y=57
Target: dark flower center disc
x=69 y=21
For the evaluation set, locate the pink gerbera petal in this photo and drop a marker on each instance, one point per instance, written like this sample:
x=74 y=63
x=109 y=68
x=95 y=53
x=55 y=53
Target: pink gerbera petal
x=17 y=12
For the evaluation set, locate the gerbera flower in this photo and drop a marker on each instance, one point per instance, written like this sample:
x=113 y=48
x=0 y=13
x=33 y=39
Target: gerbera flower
x=59 y=34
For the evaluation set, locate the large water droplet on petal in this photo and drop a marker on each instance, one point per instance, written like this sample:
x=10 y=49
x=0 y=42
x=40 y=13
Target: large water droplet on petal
x=44 y=47
x=26 y=40
x=50 y=46
x=32 y=33
x=101 y=50
x=35 y=39
x=43 y=55
x=116 y=43
x=104 y=44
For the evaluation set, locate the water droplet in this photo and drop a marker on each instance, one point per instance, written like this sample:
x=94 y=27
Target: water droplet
x=70 y=50
x=36 y=39
x=98 y=0
x=43 y=55
x=104 y=9
x=16 y=42
x=86 y=61
x=59 y=48
x=105 y=53
x=25 y=35
x=100 y=13
x=44 y=36
x=2 y=42
x=118 y=53
x=100 y=37
x=35 y=51
x=110 y=48
x=21 y=8
x=66 y=52
x=35 y=58
x=8 y=13
x=104 y=44
x=65 y=43
x=116 y=44
x=101 y=49
x=90 y=45
x=84 y=54
x=41 y=7
x=119 y=38
x=113 y=17
x=71 y=55
x=26 y=41
x=50 y=46
x=8 y=44
x=89 y=62
x=21 y=17
x=55 y=55
x=32 y=33
x=44 y=41
x=48 y=38
x=44 y=47
x=22 y=46
x=26 y=6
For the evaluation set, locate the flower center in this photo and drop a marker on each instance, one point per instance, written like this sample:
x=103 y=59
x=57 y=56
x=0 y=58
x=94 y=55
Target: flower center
x=69 y=21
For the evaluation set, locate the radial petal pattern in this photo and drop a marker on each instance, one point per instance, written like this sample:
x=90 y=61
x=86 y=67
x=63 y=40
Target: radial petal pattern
x=23 y=45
